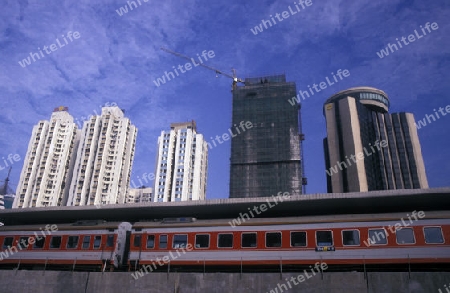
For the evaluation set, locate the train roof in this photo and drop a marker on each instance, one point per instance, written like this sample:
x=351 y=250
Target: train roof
x=78 y=225
x=329 y=204
x=430 y=215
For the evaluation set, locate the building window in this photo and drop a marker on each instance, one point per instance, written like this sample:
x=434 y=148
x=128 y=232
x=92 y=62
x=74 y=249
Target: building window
x=225 y=241
x=350 y=237
x=298 y=239
x=433 y=235
x=248 y=240
x=202 y=241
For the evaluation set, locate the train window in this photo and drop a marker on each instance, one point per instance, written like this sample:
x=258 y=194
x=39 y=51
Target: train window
x=23 y=241
x=202 y=241
x=324 y=238
x=110 y=240
x=86 y=241
x=97 y=241
x=225 y=241
x=55 y=242
x=72 y=242
x=248 y=240
x=137 y=240
x=433 y=235
x=8 y=241
x=377 y=236
x=273 y=239
x=350 y=237
x=179 y=241
x=39 y=242
x=298 y=239
x=405 y=236
x=162 y=241
x=150 y=241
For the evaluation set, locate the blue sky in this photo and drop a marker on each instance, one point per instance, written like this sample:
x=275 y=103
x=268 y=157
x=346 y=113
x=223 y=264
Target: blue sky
x=116 y=58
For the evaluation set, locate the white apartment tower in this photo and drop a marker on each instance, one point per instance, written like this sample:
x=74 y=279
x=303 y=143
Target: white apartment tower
x=48 y=162
x=139 y=195
x=181 y=165
x=104 y=160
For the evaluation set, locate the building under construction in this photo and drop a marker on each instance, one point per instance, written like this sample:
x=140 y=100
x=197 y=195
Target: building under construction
x=266 y=159
x=6 y=193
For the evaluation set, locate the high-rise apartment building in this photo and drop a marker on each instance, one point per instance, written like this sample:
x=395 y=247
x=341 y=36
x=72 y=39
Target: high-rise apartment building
x=104 y=159
x=181 y=165
x=48 y=162
x=266 y=159
x=367 y=148
x=139 y=195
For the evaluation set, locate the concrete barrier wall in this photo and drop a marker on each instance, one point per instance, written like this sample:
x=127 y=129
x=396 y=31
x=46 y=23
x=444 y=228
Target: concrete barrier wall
x=85 y=282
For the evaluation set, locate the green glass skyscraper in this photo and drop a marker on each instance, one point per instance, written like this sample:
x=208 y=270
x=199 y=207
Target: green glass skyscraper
x=265 y=159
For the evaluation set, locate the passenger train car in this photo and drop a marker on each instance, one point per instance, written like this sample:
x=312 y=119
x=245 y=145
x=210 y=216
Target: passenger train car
x=342 y=241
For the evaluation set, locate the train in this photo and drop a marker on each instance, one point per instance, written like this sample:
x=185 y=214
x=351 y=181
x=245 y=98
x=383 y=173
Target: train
x=340 y=241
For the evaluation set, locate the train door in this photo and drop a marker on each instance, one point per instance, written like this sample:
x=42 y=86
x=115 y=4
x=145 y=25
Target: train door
x=122 y=248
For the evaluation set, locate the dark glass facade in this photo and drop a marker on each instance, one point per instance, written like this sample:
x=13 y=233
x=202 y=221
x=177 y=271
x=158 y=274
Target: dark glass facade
x=265 y=159
x=399 y=165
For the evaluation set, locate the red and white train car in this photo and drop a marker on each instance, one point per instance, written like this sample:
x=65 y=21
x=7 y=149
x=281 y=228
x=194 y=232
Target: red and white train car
x=86 y=244
x=341 y=241
x=336 y=240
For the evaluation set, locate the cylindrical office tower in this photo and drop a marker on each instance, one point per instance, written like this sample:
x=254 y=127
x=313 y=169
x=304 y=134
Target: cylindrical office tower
x=367 y=148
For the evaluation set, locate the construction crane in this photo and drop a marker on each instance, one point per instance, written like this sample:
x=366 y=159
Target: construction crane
x=235 y=81
x=302 y=138
x=233 y=77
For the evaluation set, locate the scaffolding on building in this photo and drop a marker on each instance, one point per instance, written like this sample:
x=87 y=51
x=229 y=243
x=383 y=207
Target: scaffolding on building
x=267 y=159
